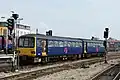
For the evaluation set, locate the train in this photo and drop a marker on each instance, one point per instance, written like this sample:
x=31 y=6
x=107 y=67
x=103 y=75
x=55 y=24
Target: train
x=3 y=49
x=5 y=39
x=45 y=48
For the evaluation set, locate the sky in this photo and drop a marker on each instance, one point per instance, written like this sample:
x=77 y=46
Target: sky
x=73 y=18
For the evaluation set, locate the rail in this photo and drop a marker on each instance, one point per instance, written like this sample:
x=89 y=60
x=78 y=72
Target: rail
x=117 y=77
x=110 y=73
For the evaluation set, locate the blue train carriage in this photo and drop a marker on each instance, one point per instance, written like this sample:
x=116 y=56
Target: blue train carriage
x=64 y=47
x=93 y=47
x=38 y=47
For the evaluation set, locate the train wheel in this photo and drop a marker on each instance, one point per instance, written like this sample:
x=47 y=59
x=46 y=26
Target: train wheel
x=44 y=60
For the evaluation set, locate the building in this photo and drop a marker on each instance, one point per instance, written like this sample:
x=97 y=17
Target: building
x=3 y=29
x=114 y=44
x=22 y=30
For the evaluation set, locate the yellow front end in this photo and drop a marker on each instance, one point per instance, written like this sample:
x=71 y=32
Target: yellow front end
x=31 y=52
x=27 y=51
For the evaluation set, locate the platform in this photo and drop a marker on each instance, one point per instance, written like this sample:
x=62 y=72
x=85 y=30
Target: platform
x=5 y=56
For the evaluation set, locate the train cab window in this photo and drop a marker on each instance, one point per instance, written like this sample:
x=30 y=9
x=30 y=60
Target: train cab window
x=60 y=43
x=50 y=44
x=31 y=42
x=27 y=42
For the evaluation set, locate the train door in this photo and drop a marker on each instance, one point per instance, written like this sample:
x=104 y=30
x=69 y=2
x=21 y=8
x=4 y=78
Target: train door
x=43 y=45
x=85 y=49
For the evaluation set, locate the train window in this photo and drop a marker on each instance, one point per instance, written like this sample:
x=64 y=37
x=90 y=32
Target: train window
x=101 y=45
x=38 y=42
x=94 y=44
x=69 y=44
x=56 y=43
x=84 y=46
x=90 y=44
x=26 y=42
x=31 y=42
x=43 y=43
x=3 y=24
x=60 y=43
x=65 y=43
x=73 y=44
x=79 y=44
x=50 y=44
x=21 y=40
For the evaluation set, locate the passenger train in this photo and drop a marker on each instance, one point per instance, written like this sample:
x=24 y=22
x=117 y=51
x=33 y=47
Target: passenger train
x=43 y=48
x=4 y=39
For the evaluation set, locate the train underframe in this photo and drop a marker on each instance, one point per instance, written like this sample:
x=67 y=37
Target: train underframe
x=46 y=59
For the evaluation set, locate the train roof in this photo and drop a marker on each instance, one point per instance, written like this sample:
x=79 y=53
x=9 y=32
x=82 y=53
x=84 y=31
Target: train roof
x=89 y=40
x=51 y=37
x=60 y=38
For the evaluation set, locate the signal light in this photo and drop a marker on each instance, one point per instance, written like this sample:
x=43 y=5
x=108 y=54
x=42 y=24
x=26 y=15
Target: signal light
x=10 y=24
x=107 y=29
x=15 y=16
x=106 y=32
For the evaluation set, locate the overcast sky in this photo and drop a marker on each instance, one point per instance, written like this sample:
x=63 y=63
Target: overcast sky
x=75 y=18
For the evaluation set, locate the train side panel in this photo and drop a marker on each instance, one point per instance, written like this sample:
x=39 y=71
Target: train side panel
x=63 y=48
x=91 y=49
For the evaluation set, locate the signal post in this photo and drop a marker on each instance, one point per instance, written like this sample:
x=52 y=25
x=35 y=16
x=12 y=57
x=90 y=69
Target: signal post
x=105 y=42
x=12 y=34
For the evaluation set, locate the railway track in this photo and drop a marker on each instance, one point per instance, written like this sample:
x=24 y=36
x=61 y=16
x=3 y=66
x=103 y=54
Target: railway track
x=37 y=73
x=55 y=68
x=111 y=73
x=110 y=56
